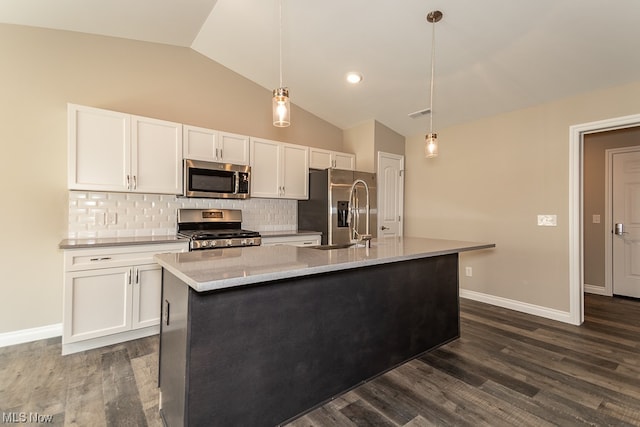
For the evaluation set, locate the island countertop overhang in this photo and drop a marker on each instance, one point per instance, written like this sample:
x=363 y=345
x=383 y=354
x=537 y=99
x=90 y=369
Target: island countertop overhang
x=212 y=270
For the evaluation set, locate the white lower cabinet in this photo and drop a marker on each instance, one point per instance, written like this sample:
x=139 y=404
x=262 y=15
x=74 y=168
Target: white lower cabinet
x=111 y=294
x=294 y=240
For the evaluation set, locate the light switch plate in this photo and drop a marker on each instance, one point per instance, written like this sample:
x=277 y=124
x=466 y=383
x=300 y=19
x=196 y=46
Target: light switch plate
x=596 y=219
x=547 y=220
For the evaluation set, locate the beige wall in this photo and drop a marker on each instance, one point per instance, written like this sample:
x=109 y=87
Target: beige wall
x=367 y=138
x=387 y=141
x=41 y=71
x=595 y=202
x=359 y=140
x=491 y=180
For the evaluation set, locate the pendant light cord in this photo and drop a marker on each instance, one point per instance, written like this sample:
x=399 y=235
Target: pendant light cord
x=280 y=20
x=433 y=56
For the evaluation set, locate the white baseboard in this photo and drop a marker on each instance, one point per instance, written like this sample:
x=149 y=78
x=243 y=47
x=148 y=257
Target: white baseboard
x=28 y=335
x=536 y=310
x=90 y=344
x=598 y=290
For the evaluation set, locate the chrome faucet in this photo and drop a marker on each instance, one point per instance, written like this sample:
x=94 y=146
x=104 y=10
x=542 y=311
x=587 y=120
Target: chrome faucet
x=354 y=216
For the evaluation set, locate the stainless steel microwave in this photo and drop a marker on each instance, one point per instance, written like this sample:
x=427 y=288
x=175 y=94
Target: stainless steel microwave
x=216 y=180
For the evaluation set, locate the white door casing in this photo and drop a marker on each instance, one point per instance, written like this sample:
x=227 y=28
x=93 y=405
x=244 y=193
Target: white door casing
x=390 y=194
x=576 y=256
x=626 y=211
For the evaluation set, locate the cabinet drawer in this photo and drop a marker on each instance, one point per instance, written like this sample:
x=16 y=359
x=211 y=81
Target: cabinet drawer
x=89 y=259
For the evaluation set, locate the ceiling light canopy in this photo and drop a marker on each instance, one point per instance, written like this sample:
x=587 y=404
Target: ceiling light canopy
x=431 y=139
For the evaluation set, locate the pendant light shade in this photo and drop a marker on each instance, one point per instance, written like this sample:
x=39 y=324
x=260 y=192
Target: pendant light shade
x=431 y=145
x=281 y=107
x=431 y=139
x=280 y=104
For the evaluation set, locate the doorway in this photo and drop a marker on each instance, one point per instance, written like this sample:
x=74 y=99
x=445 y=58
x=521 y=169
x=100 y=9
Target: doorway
x=599 y=150
x=577 y=208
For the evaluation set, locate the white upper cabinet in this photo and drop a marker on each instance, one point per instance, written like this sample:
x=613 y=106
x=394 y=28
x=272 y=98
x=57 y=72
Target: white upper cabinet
x=111 y=151
x=156 y=163
x=215 y=146
x=326 y=159
x=279 y=170
x=99 y=149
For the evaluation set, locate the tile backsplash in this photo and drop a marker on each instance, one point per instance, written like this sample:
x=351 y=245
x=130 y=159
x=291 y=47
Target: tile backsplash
x=99 y=214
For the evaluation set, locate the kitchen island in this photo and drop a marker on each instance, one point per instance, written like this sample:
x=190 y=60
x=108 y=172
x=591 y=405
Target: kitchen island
x=258 y=336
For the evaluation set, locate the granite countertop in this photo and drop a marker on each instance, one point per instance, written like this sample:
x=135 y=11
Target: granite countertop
x=119 y=241
x=231 y=267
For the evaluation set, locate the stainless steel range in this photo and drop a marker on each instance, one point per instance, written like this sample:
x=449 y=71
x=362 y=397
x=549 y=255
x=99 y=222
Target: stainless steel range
x=215 y=228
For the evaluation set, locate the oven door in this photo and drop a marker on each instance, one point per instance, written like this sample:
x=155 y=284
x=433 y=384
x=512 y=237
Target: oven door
x=216 y=180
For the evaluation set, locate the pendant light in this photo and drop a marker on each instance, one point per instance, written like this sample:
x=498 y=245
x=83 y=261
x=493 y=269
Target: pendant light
x=281 y=104
x=431 y=139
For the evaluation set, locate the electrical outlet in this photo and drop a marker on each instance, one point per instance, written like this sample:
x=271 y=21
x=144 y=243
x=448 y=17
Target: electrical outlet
x=468 y=271
x=596 y=219
x=547 y=220
x=112 y=218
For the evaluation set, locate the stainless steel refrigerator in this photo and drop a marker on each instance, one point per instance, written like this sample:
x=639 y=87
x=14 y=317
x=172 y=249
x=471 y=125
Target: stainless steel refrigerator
x=327 y=209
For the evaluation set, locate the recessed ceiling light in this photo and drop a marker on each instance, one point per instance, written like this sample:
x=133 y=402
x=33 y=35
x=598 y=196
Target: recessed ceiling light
x=354 y=77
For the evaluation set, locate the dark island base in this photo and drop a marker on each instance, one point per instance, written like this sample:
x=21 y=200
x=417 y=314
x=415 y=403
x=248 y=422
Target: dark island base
x=262 y=355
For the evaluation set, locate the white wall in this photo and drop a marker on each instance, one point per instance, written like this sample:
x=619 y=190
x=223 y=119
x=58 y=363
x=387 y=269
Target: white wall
x=490 y=181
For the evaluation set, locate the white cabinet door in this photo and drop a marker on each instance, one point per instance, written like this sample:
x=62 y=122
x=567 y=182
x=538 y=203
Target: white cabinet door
x=344 y=161
x=233 y=148
x=147 y=289
x=265 y=168
x=200 y=143
x=214 y=146
x=319 y=159
x=325 y=159
x=156 y=156
x=295 y=171
x=97 y=303
x=99 y=149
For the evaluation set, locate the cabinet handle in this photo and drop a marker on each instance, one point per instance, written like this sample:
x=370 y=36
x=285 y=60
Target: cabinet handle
x=129 y=278
x=135 y=182
x=100 y=258
x=217 y=158
x=128 y=182
x=165 y=314
x=221 y=154
x=137 y=277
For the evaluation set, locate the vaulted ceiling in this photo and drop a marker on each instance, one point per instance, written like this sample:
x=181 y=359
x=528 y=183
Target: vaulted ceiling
x=492 y=56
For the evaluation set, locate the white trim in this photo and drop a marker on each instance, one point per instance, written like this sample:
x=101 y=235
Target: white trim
x=608 y=215
x=536 y=310
x=596 y=290
x=92 y=343
x=28 y=335
x=576 y=255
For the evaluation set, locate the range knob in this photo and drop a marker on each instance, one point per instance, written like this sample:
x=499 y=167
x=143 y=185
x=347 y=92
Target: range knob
x=243 y=242
x=228 y=242
x=204 y=243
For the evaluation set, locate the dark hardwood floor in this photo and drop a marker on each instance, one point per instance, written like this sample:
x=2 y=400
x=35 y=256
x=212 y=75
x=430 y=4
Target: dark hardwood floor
x=508 y=368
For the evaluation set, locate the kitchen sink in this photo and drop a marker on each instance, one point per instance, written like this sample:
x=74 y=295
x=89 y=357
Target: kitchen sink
x=329 y=247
